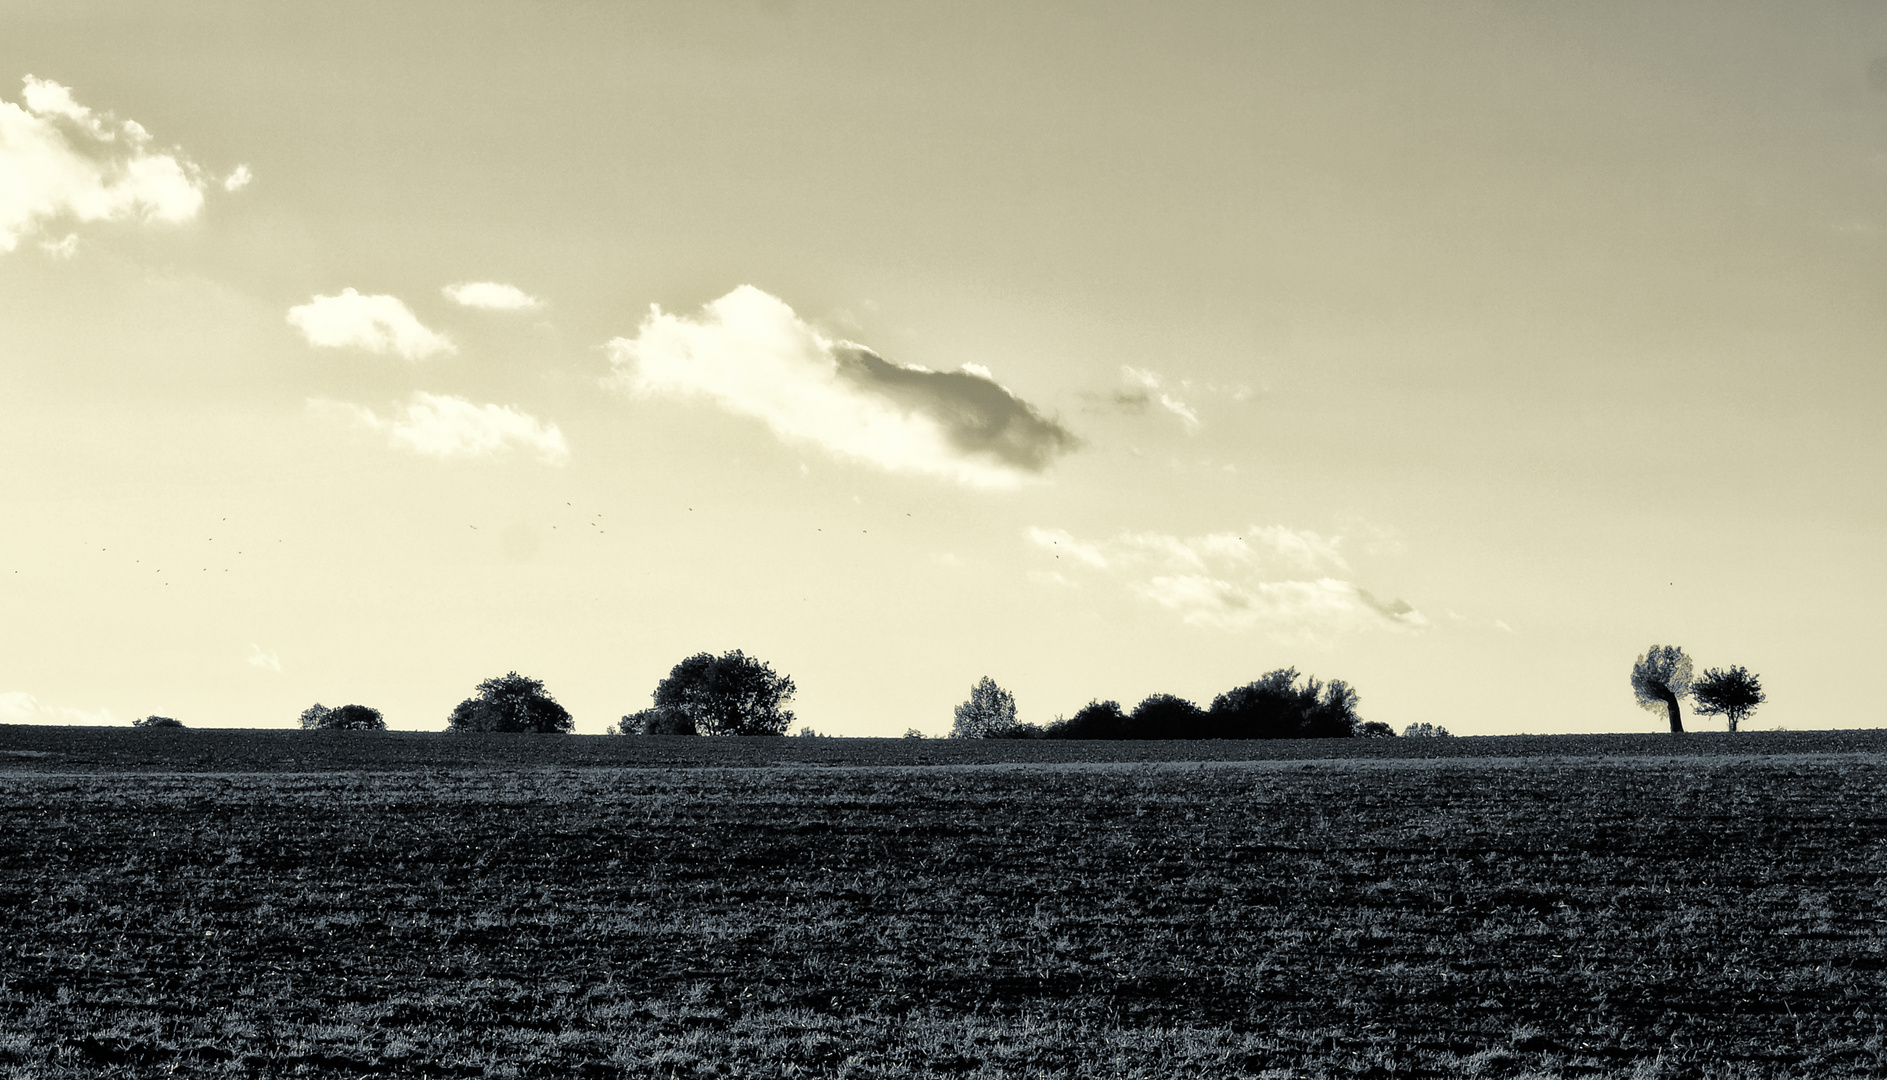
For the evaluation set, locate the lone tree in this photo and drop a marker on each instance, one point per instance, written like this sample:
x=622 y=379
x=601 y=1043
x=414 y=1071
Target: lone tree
x=989 y=713
x=1731 y=694
x=1659 y=678
x=345 y=718
x=731 y=694
x=157 y=721
x=511 y=702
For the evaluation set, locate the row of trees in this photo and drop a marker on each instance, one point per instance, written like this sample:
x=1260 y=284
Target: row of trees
x=1277 y=706
x=1663 y=676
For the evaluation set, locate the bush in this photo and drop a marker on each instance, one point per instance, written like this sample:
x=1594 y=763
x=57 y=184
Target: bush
x=655 y=721
x=511 y=702
x=1167 y=716
x=1374 y=729
x=1276 y=707
x=913 y=733
x=731 y=694
x=1425 y=731
x=157 y=721
x=345 y=718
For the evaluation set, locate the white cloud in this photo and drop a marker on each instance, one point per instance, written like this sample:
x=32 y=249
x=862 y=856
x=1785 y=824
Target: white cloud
x=238 y=178
x=492 y=296
x=381 y=324
x=1149 y=386
x=440 y=426
x=267 y=661
x=23 y=708
x=750 y=354
x=63 y=248
x=61 y=160
x=1237 y=581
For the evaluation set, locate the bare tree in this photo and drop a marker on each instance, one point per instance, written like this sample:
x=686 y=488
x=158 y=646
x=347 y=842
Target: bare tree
x=1731 y=694
x=1659 y=678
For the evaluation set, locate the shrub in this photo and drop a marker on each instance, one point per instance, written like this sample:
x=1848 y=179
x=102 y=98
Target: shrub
x=1095 y=720
x=1277 y=707
x=157 y=721
x=1374 y=729
x=1167 y=716
x=1425 y=730
x=656 y=721
x=345 y=718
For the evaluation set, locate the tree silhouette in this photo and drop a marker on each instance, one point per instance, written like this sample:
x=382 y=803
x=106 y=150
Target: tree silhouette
x=157 y=721
x=1277 y=707
x=1659 y=678
x=511 y=702
x=345 y=718
x=990 y=711
x=656 y=722
x=731 y=694
x=1167 y=716
x=1731 y=694
x=1095 y=720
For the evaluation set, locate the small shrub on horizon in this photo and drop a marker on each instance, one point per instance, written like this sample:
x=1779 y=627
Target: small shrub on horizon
x=157 y=721
x=344 y=718
x=1374 y=729
x=913 y=733
x=655 y=721
x=1425 y=730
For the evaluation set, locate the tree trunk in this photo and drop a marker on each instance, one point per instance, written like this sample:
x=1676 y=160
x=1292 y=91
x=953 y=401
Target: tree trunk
x=1677 y=721
x=1732 y=722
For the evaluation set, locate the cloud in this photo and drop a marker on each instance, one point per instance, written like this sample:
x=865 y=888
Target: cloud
x=22 y=708
x=1145 y=386
x=492 y=296
x=440 y=426
x=750 y=354
x=63 y=248
x=267 y=661
x=380 y=324
x=61 y=160
x=1270 y=578
x=238 y=178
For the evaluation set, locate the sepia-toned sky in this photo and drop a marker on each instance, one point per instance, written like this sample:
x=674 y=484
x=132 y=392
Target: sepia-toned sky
x=359 y=352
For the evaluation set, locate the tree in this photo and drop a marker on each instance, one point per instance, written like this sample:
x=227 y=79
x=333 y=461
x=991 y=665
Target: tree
x=989 y=712
x=1425 y=730
x=1374 y=729
x=345 y=718
x=511 y=702
x=1167 y=716
x=1277 y=707
x=157 y=721
x=656 y=722
x=731 y=694
x=1095 y=720
x=1659 y=678
x=1731 y=694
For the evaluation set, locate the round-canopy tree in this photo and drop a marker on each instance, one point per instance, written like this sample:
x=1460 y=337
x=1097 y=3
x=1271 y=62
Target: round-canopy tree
x=345 y=718
x=1659 y=678
x=511 y=702
x=1731 y=694
x=989 y=713
x=732 y=694
x=157 y=721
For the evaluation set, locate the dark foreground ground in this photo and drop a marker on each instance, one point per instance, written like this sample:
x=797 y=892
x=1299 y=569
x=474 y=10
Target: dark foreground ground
x=196 y=904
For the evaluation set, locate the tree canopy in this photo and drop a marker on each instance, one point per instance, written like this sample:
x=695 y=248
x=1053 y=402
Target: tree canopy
x=1731 y=694
x=1659 y=678
x=157 y=721
x=656 y=721
x=1278 y=707
x=731 y=694
x=989 y=712
x=511 y=702
x=344 y=718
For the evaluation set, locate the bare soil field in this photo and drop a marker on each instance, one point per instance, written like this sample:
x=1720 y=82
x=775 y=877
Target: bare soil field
x=218 y=903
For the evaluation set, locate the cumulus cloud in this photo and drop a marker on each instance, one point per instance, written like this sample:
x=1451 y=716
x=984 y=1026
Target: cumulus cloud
x=22 y=708
x=380 y=324
x=492 y=296
x=61 y=160
x=440 y=426
x=748 y=353
x=1270 y=578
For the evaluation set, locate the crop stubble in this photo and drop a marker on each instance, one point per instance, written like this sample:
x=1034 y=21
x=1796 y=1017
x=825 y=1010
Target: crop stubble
x=1568 y=916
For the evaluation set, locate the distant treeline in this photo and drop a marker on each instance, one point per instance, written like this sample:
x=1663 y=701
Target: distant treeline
x=1277 y=706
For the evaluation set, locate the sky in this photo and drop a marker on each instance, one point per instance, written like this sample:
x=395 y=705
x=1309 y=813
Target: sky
x=356 y=353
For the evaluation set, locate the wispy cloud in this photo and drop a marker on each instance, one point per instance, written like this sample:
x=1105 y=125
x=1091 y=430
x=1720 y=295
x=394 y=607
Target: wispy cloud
x=1145 y=386
x=22 y=708
x=61 y=160
x=267 y=661
x=750 y=354
x=441 y=426
x=1270 y=578
x=491 y=296
x=238 y=178
x=379 y=324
